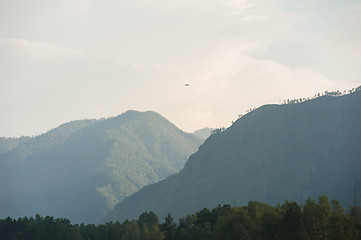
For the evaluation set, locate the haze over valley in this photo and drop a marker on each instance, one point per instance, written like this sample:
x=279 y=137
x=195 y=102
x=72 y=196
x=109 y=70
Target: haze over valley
x=81 y=169
x=180 y=120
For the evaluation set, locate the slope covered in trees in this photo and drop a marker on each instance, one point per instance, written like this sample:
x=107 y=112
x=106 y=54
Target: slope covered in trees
x=273 y=153
x=314 y=220
x=7 y=144
x=82 y=169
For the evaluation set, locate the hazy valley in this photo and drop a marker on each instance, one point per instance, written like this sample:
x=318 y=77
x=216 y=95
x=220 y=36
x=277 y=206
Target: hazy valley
x=81 y=169
x=256 y=179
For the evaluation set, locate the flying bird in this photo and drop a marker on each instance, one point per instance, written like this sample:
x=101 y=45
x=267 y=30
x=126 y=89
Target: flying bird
x=186 y=85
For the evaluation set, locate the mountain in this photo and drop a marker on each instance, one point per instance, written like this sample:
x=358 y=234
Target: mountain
x=272 y=154
x=81 y=169
x=7 y=144
x=203 y=133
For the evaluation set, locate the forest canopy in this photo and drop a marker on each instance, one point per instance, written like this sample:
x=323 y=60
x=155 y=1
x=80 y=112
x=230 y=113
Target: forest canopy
x=321 y=219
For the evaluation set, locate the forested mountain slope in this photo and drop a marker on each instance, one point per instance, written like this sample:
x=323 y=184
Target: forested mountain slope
x=7 y=144
x=274 y=153
x=82 y=169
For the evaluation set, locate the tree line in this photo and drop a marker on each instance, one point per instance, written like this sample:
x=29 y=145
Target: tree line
x=336 y=93
x=322 y=219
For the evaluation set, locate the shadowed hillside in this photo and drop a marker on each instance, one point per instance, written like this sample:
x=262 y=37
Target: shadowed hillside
x=81 y=169
x=273 y=153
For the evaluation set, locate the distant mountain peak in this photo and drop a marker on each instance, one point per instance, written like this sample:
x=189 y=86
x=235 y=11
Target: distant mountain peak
x=81 y=169
x=203 y=133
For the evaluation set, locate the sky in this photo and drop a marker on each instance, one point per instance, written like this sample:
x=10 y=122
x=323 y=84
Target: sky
x=79 y=59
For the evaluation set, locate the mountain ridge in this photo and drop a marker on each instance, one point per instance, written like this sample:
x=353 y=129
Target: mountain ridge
x=271 y=154
x=82 y=168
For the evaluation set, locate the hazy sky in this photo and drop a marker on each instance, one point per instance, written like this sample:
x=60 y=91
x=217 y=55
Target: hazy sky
x=75 y=59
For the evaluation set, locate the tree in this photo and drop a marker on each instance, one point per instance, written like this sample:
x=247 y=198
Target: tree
x=311 y=219
x=270 y=224
x=291 y=225
x=233 y=225
x=355 y=219
x=338 y=223
x=130 y=230
x=184 y=227
x=168 y=227
x=148 y=219
x=325 y=211
x=205 y=215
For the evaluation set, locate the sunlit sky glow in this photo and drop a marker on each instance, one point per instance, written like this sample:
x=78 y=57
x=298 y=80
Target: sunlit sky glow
x=75 y=59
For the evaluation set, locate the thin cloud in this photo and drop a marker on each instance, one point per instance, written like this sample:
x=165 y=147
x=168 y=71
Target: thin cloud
x=227 y=82
x=235 y=54
x=41 y=50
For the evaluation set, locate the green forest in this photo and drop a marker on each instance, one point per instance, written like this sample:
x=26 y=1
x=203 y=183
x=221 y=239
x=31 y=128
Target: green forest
x=81 y=169
x=321 y=219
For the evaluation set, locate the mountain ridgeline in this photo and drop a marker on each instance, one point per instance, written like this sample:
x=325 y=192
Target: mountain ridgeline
x=272 y=154
x=81 y=169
